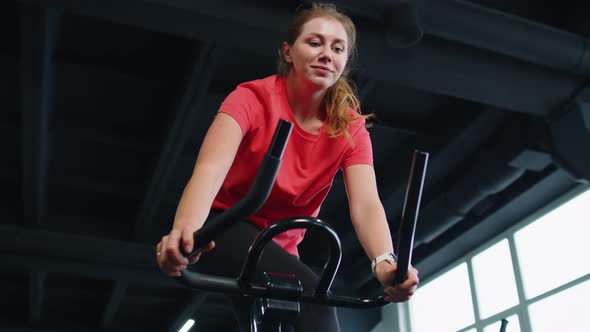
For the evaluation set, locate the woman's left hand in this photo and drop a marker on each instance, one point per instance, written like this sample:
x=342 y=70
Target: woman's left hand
x=385 y=272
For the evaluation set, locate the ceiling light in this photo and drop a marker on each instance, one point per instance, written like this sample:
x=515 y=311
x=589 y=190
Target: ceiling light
x=187 y=326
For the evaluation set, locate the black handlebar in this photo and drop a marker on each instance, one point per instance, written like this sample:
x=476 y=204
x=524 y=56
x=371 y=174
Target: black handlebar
x=407 y=228
x=255 y=251
x=255 y=199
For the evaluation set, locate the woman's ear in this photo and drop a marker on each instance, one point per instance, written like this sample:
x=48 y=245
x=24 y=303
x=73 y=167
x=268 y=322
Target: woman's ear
x=287 y=52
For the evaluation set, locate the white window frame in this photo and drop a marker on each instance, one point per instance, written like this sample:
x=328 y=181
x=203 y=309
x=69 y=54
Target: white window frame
x=520 y=309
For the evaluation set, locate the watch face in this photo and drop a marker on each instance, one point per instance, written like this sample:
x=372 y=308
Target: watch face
x=394 y=257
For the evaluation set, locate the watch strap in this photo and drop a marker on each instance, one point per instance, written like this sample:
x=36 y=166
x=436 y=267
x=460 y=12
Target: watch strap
x=389 y=257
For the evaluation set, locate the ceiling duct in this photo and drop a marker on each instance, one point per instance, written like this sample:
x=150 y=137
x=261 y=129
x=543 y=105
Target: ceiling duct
x=570 y=137
x=495 y=169
x=489 y=176
x=506 y=34
x=402 y=26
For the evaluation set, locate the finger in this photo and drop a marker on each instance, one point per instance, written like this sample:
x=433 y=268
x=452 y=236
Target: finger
x=172 y=273
x=197 y=255
x=391 y=292
x=169 y=271
x=399 y=297
x=174 y=270
x=411 y=281
x=162 y=244
x=209 y=246
x=194 y=258
x=188 y=240
x=397 y=293
x=172 y=251
x=160 y=252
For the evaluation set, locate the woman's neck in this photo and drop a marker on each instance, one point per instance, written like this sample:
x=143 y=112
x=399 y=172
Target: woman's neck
x=306 y=103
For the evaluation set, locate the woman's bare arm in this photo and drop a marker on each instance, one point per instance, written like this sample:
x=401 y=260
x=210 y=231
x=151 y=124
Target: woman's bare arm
x=366 y=211
x=372 y=229
x=215 y=158
x=213 y=163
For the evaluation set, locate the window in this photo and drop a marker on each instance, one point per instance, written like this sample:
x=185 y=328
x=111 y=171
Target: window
x=549 y=244
x=536 y=275
x=494 y=280
x=429 y=307
x=567 y=310
x=513 y=325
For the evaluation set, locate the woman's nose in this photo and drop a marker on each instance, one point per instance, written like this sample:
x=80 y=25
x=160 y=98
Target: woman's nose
x=325 y=54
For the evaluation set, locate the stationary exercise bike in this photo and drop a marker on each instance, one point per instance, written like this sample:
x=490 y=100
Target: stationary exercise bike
x=276 y=301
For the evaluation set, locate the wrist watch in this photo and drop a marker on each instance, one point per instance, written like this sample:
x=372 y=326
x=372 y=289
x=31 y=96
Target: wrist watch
x=389 y=257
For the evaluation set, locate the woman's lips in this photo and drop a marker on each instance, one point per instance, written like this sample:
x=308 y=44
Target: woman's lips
x=321 y=69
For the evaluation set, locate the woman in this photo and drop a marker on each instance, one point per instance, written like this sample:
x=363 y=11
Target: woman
x=313 y=92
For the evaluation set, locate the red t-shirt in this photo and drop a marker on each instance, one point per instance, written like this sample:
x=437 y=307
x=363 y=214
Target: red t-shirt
x=309 y=165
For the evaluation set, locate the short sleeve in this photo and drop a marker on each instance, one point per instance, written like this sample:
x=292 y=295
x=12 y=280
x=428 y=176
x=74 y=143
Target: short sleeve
x=361 y=152
x=242 y=105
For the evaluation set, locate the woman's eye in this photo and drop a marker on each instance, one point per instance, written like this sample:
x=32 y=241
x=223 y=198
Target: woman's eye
x=338 y=49
x=314 y=43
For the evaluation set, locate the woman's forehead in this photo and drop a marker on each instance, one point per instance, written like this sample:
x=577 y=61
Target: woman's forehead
x=327 y=27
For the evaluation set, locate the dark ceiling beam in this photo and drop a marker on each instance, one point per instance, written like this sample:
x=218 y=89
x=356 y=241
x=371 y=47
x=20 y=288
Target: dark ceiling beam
x=364 y=86
x=441 y=162
x=96 y=270
x=435 y=65
x=189 y=107
x=399 y=130
x=530 y=198
x=479 y=26
x=70 y=254
x=188 y=311
x=36 y=296
x=38 y=34
x=451 y=77
x=91 y=135
x=533 y=42
x=112 y=306
x=449 y=156
x=87 y=184
x=544 y=190
x=384 y=66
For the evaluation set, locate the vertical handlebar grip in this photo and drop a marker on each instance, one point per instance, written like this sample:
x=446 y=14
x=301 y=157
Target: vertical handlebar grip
x=279 y=140
x=407 y=228
x=257 y=195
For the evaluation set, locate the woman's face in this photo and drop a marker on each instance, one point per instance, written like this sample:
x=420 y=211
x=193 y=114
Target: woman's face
x=318 y=56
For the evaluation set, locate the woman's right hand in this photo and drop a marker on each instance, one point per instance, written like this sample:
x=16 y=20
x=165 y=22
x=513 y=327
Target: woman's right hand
x=168 y=255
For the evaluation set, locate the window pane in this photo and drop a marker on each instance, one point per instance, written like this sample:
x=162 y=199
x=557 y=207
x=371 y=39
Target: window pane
x=430 y=306
x=513 y=325
x=550 y=249
x=565 y=311
x=494 y=280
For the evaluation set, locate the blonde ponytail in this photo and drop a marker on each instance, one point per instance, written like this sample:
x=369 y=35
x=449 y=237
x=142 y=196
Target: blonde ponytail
x=340 y=99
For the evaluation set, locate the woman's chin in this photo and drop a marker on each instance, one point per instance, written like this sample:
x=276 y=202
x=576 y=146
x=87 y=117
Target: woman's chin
x=320 y=83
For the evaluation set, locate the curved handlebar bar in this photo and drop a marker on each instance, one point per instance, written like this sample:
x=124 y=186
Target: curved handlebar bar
x=255 y=251
x=255 y=199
